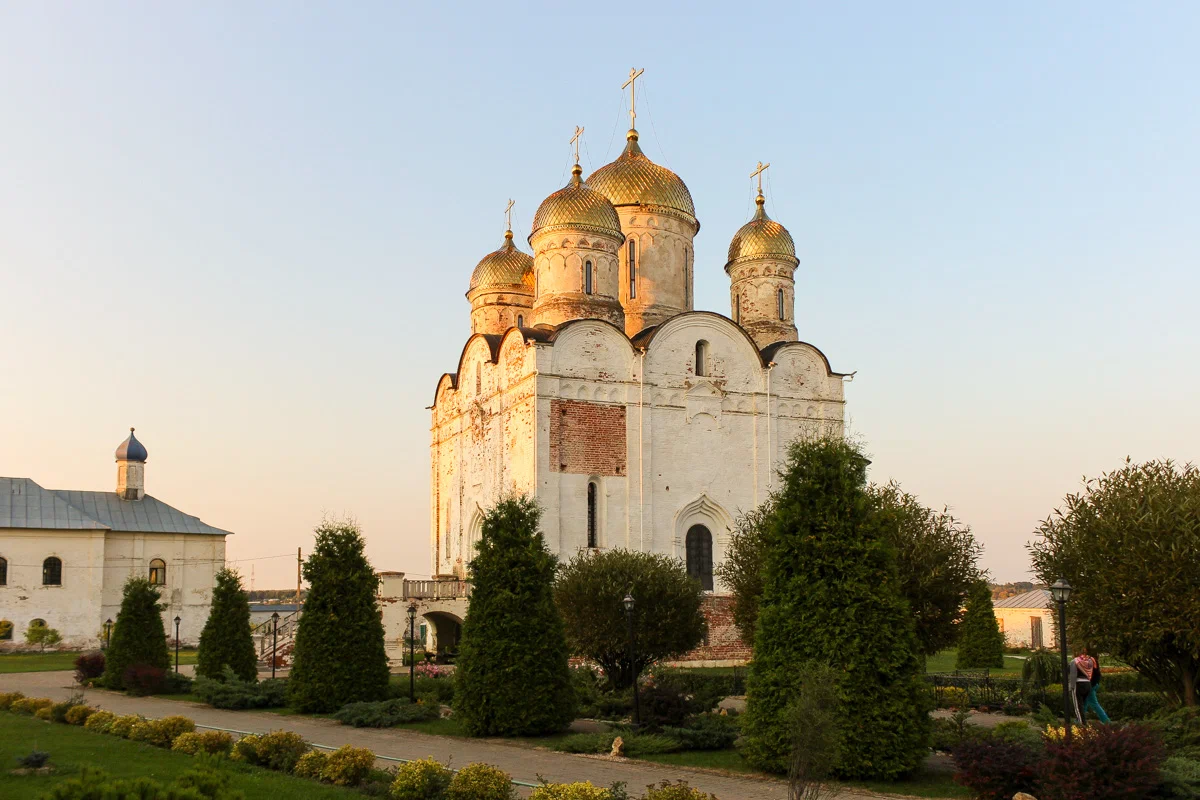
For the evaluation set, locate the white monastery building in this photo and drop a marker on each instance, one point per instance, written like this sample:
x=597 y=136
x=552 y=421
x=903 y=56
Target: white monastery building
x=592 y=383
x=65 y=555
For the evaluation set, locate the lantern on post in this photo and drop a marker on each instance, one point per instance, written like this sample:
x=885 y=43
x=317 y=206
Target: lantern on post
x=1060 y=590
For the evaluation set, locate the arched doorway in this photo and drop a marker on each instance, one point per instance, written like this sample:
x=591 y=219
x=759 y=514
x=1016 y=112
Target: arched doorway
x=699 y=555
x=447 y=629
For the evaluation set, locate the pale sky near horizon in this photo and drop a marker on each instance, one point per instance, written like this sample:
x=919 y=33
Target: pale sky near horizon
x=247 y=229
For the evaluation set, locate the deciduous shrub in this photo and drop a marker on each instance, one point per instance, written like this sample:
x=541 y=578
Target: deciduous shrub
x=1128 y=706
x=600 y=742
x=570 y=791
x=994 y=769
x=704 y=689
x=706 y=732
x=1105 y=763
x=89 y=666
x=233 y=692
x=278 y=750
x=143 y=679
x=44 y=713
x=30 y=705
x=100 y=721
x=8 y=698
x=78 y=715
x=195 y=784
x=342 y=607
x=225 y=642
x=310 y=765
x=425 y=779
x=123 y=725
x=348 y=766
x=58 y=711
x=138 y=638
x=480 y=782
x=161 y=732
x=953 y=697
x=386 y=714
x=194 y=742
x=513 y=645
x=679 y=790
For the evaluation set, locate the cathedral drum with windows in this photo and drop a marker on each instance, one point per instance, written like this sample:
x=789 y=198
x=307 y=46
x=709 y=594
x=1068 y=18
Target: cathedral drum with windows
x=591 y=383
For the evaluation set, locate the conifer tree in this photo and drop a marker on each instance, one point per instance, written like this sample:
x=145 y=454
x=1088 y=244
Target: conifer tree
x=511 y=676
x=980 y=643
x=138 y=637
x=226 y=640
x=339 y=655
x=831 y=595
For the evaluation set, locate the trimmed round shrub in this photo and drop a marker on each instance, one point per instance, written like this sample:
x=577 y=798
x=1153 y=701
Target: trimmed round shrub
x=138 y=638
x=89 y=667
x=570 y=791
x=8 y=698
x=45 y=712
x=30 y=705
x=195 y=742
x=58 y=711
x=1128 y=706
x=480 y=782
x=278 y=750
x=162 y=732
x=78 y=714
x=122 y=726
x=348 y=766
x=679 y=790
x=511 y=676
x=424 y=779
x=310 y=765
x=100 y=721
x=226 y=640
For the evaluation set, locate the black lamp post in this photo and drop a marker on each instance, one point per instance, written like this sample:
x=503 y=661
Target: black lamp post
x=1061 y=592
x=108 y=623
x=274 y=642
x=412 y=658
x=637 y=704
x=177 y=645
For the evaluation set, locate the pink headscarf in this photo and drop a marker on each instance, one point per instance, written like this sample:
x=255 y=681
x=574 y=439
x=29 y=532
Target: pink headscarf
x=1085 y=664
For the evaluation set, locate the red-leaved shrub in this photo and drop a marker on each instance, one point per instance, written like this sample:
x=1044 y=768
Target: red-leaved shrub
x=1103 y=762
x=995 y=769
x=143 y=679
x=89 y=666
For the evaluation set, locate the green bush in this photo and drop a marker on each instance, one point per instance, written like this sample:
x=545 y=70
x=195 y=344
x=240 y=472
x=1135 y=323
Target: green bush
x=826 y=550
x=980 y=643
x=342 y=606
x=480 y=782
x=348 y=766
x=679 y=790
x=100 y=721
x=952 y=697
x=570 y=791
x=44 y=713
x=225 y=641
x=30 y=705
x=1180 y=779
x=310 y=765
x=58 y=711
x=1020 y=732
x=706 y=732
x=212 y=742
x=161 y=732
x=705 y=689
x=138 y=638
x=638 y=745
x=1126 y=682
x=1127 y=706
x=424 y=779
x=122 y=726
x=78 y=715
x=234 y=693
x=195 y=784
x=586 y=743
x=8 y=698
x=511 y=676
x=386 y=714
x=278 y=750
x=1179 y=731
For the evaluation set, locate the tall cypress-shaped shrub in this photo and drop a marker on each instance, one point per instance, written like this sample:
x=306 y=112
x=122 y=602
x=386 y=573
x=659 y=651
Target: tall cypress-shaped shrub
x=980 y=643
x=511 y=676
x=339 y=656
x=226 y=640
x=138 y=637
x=831 y=595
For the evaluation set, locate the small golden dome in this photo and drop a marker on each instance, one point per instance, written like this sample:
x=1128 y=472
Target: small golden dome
x=578 y=206
x=761 y=237
x=507 y=266
x=634 y=180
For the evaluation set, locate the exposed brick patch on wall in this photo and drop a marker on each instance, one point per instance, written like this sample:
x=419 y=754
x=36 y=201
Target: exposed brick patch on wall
x=724 y=643
x=587 y=438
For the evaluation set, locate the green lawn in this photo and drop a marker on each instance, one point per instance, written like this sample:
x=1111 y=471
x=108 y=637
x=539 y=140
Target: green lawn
x=944 y=662
x=72 y=748
x=48 y=662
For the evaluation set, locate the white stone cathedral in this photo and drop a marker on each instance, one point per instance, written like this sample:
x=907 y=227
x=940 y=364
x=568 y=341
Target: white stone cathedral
x=591 y=382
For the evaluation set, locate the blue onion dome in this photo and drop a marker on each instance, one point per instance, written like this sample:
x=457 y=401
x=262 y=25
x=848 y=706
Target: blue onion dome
x=131 y=449
x=505 y=267
x=578 y=207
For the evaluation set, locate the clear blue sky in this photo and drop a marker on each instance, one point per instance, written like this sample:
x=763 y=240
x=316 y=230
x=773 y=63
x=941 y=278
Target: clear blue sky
x=247 y=230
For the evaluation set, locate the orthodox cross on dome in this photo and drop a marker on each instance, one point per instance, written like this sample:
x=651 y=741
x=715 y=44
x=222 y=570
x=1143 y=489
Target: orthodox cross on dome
x=508 y=215
x=758 y=171
x=575 y=141
x=634 y=74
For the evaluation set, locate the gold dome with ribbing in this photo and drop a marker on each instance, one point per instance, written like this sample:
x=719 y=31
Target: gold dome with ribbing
x=578 y=206
x=507 y=266
x=633 y=179
x=761 y=237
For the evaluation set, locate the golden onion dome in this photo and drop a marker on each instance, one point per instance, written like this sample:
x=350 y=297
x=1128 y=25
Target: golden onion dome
x=507 y=266
x=761 y=237
x=634 y=180
x=579 y=207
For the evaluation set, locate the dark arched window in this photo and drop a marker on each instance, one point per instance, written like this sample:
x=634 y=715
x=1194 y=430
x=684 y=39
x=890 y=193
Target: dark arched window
x=737 y=310
x=158 y=572
x=52 y=572
x=701 y=358
x=37 y=623
x=780 y=303
x=520 y=321
x=591 y=515
x=478 y=378
x=587 y=277
x=3 y=572
x=632 y=269
x=699 y=556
